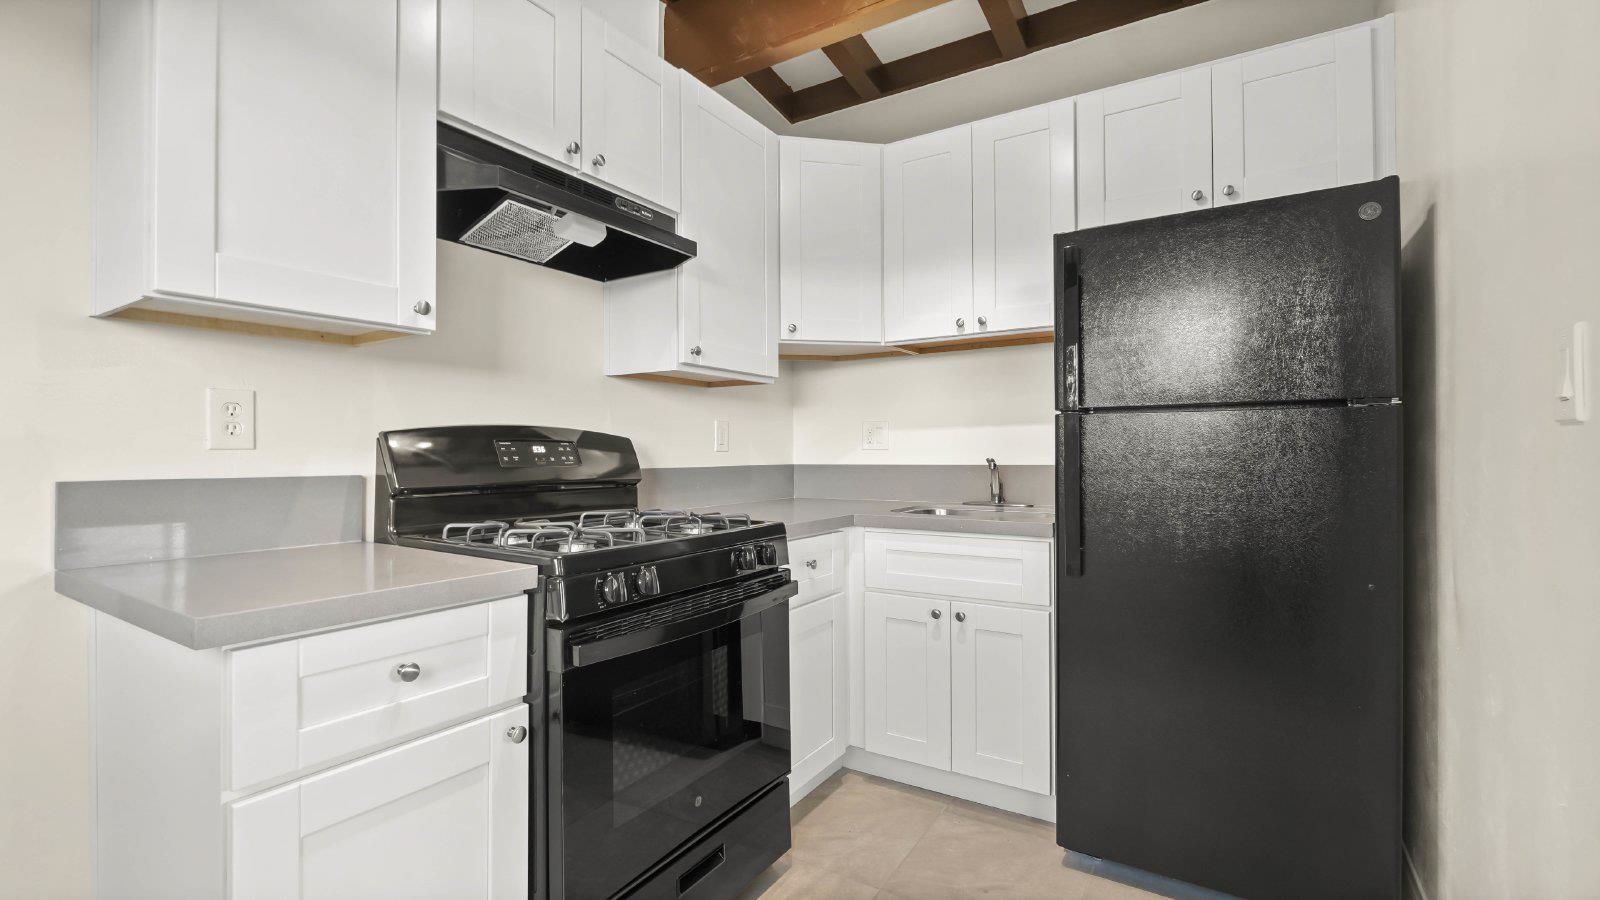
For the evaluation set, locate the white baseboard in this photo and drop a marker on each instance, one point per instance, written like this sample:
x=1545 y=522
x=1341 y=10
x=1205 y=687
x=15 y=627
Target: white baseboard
x=965 y=787
x=799 y=789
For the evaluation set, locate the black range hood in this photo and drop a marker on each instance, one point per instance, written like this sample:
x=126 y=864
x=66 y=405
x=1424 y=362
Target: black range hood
x=501 y=201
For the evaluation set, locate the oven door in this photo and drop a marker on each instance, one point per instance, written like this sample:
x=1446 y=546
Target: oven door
x=662 y=722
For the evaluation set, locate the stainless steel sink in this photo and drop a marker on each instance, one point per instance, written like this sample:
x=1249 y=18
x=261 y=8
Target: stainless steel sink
x=1001 y=513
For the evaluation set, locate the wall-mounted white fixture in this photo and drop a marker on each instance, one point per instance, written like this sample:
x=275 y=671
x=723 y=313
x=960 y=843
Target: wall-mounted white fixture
x=1572 y=396
x=719 y=435
x=875 y=435
x=230 y=419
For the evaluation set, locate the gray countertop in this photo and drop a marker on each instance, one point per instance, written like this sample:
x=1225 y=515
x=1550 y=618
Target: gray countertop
x=807 y=517
x=234 y=598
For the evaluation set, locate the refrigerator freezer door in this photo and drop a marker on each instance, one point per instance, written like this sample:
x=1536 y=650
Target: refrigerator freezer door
x=1230 y=656
x=1288 y=299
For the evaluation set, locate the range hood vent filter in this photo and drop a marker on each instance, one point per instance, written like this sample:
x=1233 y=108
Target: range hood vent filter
x=519 y=230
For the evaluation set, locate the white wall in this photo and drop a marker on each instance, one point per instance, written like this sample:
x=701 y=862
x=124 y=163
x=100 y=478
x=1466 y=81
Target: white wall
x=1500 y=161
x=945 y=408
x=87 y=399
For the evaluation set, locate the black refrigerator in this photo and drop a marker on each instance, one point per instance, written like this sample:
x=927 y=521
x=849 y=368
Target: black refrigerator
x=1228 y=545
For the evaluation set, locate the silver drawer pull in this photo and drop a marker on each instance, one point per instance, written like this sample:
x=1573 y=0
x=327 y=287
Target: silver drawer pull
x=408 y=672
x=516 y=734
x=811 y=564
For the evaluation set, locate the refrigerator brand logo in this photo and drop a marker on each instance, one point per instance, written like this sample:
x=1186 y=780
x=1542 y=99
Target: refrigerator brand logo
x=1370 y=210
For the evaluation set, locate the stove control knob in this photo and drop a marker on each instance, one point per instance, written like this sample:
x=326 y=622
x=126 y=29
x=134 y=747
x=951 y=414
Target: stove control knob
x=649 y=581
x=614 y=589
x=744 y=559
x=767 y=554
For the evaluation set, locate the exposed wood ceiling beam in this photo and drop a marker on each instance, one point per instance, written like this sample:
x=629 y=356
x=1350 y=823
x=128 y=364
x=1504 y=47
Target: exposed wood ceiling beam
x=1057 y=25
x=856 y=61
x=1005 y=23
x=772 y=86
x=720 y=40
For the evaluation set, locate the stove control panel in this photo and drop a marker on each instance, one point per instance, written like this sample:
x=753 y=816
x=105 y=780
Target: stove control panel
x=530 y=454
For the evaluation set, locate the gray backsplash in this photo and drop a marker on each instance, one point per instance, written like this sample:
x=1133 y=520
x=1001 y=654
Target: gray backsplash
x=711 y=485
x=103 y=523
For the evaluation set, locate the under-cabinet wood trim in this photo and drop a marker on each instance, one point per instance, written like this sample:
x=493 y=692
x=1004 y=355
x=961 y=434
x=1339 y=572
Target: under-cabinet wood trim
x=258 y=329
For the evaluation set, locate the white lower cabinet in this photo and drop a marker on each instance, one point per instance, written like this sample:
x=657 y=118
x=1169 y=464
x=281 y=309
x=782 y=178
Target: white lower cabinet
x=442 y=816
x=908 y=678
x=1000 y=695
x=819 y=698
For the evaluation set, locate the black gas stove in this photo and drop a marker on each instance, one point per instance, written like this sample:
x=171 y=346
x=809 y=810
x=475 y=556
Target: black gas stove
x=658 y=653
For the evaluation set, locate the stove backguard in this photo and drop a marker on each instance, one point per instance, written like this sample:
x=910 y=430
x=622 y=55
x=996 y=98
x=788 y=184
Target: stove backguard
x=430 y=477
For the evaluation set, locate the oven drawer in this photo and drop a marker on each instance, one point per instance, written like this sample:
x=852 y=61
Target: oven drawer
x=729 y=857
x=818 y=564
x=299 y=703
x=1007 y=570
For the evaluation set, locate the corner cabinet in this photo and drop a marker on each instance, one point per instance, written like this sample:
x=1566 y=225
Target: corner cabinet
x=713 y=320
x=443 y=816
x=831 y=206
x=266 y=161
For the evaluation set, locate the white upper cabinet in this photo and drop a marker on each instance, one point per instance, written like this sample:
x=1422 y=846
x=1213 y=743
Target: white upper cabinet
x=1296 y=118
x=511 y=67
x=927 y=236
x=715 y=318
x=626 y=106
x=1144 y=149
x=832 y=233
x=268 y=160
x=1022 y=195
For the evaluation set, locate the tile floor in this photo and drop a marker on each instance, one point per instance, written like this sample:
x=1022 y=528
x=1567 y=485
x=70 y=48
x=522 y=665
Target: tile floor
x=857 y=836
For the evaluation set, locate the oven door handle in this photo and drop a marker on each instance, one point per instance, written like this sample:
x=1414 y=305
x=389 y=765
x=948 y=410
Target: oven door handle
x=574 y=656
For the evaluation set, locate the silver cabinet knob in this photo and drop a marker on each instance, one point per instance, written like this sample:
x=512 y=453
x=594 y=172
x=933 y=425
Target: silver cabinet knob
x=695 y=350
x=793 y=328
x=961 y=617
x=961 y=323
x=573 y=148
x=408 y=672
x=422 y=307
x=1197 y=196
x=1228 y=190
x=983 y=320
x=516 y=734
x=934 y=613
x=599 y=160
x=811 y=564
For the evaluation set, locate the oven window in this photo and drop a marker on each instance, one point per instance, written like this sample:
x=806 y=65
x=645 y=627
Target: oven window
x=660 y=743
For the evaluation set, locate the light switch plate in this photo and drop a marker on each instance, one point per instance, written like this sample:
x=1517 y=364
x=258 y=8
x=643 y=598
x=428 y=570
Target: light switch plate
x=1573 y=390
x=875 y=435
x=230 y=419
x=719 y=435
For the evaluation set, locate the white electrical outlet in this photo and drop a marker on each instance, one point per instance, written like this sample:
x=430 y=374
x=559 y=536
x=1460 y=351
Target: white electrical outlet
x=719 y=435
x=875 y=435
x=230 y=419
x=1572 y=394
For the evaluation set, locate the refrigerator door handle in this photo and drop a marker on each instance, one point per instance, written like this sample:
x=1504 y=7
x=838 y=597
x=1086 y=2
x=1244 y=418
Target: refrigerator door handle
x=1069 y=323
x=1069 y=496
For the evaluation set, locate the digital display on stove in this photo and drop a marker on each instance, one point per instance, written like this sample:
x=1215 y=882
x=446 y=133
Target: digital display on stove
x=527 y=454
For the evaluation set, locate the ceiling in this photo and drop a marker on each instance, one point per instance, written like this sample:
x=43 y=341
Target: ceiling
x=898 y=88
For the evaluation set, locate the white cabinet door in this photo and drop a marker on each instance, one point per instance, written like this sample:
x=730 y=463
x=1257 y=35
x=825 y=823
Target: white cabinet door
x=729 y=304
x=442 y=816
x=511 y=67
x=1022 y=195
x=1144 y=149
x=927 y=236
x=832 y=232
x=1000 y=695
x=908 y=678
x=312 y=184
x=625 y=111
x=1295 y=118
x=819 y=699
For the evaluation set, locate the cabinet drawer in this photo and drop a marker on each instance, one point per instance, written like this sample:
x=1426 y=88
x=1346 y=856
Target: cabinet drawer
x=1008 y=571
x=818 y=564
x=297 y=703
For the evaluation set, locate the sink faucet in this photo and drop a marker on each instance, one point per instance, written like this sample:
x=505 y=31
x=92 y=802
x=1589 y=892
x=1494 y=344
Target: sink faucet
x=997 y=494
